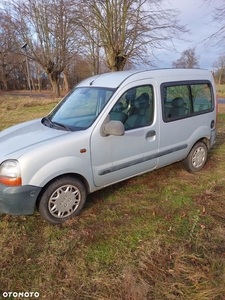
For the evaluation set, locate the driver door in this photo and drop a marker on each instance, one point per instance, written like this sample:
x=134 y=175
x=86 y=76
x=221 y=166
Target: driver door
x=115 y=158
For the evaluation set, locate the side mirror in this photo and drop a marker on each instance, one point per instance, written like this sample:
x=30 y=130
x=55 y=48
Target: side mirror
x=113 y=128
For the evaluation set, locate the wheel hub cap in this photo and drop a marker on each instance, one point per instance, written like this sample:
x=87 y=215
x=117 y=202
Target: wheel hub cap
x=198 y=157
x=64 y=201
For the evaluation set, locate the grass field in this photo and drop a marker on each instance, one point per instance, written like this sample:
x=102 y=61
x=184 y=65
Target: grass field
x=220 y=88
x=159 y=236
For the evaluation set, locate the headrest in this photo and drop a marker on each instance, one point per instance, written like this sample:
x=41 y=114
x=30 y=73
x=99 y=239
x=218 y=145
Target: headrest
x=178 y=102
x=143 y=100
x=130 y=96
x=118 y=107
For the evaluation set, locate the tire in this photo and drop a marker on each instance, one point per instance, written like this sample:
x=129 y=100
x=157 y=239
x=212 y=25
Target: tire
x=196 y=158
x=63 y=199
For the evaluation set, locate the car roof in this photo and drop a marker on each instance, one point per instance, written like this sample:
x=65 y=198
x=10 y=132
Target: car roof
x=111 y=79
x=115 y=79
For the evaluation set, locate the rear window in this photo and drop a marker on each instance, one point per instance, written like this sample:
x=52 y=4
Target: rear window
x=186 y=99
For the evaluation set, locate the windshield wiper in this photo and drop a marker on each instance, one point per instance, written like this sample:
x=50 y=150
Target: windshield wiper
x=46 y=121
x=63 y=126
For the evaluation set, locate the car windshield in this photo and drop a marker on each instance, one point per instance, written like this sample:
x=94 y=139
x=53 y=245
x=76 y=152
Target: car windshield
x=79 y=109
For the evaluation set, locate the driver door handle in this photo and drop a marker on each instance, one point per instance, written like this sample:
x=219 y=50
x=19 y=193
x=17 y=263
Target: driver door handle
x=150 y=133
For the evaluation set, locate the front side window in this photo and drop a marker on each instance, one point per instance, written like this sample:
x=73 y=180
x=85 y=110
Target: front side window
x=79 y=109
x=186 y=99
x=134 y=108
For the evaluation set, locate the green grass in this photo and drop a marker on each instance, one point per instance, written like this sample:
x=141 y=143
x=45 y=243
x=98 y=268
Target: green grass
x=157 y=236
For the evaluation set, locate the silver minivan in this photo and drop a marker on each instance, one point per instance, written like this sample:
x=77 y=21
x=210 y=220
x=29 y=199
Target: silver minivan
x=110 y=127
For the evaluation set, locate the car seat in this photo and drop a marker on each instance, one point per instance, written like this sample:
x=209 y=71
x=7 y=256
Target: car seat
x=117 y=113
x=141 y=109
x=178 y=108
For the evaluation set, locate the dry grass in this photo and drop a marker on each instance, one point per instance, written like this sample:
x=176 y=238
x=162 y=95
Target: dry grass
x=17 y=109
x=10 y=103
x=221 y=108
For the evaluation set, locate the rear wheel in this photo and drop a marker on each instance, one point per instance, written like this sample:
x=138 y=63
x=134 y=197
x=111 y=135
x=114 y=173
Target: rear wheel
x=197 y=157
x=63 y=199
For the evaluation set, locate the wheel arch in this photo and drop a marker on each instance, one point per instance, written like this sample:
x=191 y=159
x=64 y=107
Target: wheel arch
x=204 y=140
x=72 y=175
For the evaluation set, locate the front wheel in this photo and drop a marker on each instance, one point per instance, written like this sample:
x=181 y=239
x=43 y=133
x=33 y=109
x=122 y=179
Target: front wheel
x=197 y=157
x=63 y=199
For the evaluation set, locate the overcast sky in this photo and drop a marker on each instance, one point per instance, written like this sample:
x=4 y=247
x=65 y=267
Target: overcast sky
x=197 y=17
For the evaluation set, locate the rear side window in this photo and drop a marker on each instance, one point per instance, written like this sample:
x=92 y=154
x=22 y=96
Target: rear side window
x=182 y=100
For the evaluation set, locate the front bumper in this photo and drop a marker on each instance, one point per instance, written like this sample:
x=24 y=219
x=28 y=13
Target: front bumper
x=18 y=200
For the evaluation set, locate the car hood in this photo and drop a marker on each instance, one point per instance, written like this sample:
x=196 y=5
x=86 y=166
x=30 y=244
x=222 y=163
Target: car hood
x=20 y=137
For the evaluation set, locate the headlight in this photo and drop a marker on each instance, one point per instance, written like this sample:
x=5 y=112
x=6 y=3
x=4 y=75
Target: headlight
x=10 y=173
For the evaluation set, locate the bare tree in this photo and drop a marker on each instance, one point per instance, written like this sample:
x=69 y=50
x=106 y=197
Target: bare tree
x=218 y=13
x=129 y=30
x=78 y=70
x=112 y=33
x=46 y=27
x=90 y=40
x=9 y=61
x=188 y=60
x=219 y=64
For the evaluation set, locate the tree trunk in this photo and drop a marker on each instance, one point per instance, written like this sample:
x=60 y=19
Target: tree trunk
x=65 y=79
x=55 y=87
x=220 y=76
x=39 y=83
x=54 y=79
x=33 y=84
x=5 y=84
x=116 y=60
x=117 y=63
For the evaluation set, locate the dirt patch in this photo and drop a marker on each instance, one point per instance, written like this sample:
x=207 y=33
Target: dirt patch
x=221 y=108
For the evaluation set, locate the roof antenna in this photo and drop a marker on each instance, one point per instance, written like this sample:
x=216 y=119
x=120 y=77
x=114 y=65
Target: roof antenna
x=94 y=79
